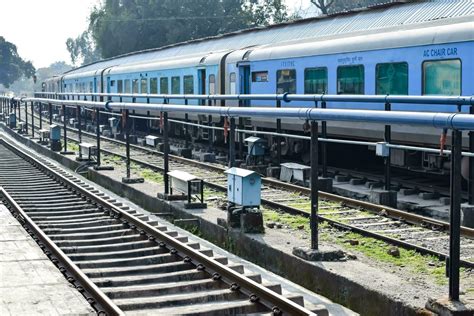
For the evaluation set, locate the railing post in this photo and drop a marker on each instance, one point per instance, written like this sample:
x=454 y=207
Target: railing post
x=50 y=105
x=324 y=151
x=26 y=118
x=41 y=115
x=128 y=178
x=32 y=121
x=165 y=152
x=19 y=111
x=241 y=134
x=471 y=164
x=314 y=186
x=278 y=138
x=388 y=139
x=455 y=215
x=232 y=143
x=65 y=151
x=210 y=131
x=97 y=135
x=186 y=127
x=79 y=128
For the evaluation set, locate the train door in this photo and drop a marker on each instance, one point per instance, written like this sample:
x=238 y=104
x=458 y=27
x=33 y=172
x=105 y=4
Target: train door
x=202 y=84
x=244 y=76
x=108 y=85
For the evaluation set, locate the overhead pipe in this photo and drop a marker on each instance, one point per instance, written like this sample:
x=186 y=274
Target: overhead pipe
x=456 y=121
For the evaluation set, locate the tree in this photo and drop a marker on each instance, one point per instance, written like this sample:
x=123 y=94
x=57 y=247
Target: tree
x=12 y=66
x=26 y=87
x=118 y=27
x=334 y=6
x=82 y=48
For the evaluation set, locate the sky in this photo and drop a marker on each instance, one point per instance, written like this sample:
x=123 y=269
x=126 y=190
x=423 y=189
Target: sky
x=40 y=28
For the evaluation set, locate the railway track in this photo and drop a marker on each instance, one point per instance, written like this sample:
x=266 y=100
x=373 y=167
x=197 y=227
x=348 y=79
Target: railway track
x=123 y=261
x=410 y=231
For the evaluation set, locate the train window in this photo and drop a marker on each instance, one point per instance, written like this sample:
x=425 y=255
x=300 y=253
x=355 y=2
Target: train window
x=112 y=83
x=119 y=86
x=153 y=85
x=232 y=85
x=316 y=80
x=212 y=84
x=442 y=77
x=350 y=79
x=260 y=76
x=127 y=85
x=188 y=84
x=391 y=78
x=286 y=81
x=135 y=86
x=164 y=86
x=175 y=85
x=144 y=85
x=90 y=86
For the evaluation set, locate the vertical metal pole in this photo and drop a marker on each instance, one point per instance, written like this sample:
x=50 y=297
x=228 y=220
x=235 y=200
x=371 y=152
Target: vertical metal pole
x=186 y=127
x=324 y=151
x=471 y=164
x=388 y=139
x=232 y=143
x=32 y=121
x=166 y=152
x=97 y=134
x=19 y=111
x=241 y=134
x=64 y=128
x=41 y=115
x=148 y=121
x=210 y=131
x=314 y=186
x=26 y=118
x=278 y=130
x=79 y=128
x=127 y=141
x=50 y=114
x=455 y=215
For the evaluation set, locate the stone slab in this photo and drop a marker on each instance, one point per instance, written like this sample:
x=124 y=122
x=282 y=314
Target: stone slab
x=30 y=284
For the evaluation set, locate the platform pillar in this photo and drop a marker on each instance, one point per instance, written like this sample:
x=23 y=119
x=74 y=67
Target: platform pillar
x=388 y=138
x=232 y=143
x=32 y=120
x=166 y=153
x=278 y=138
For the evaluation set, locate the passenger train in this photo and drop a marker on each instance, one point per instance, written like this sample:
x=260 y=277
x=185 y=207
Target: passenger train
x=420 y=48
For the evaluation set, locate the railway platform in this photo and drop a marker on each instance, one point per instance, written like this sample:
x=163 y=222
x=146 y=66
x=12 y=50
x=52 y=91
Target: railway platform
x=382 y=286
x=30 y=283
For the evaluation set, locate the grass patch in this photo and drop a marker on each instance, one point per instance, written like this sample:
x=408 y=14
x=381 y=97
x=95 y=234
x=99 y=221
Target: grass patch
x=151 y=175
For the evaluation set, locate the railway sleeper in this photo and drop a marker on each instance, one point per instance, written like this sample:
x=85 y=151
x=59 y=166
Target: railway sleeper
x=116 y=247
x=85 y=214
x=51 y=200
x=59 y=222
x=99 y=241
x=118 y=254
x=85 y=229
x=81 y=236
x=58 y=208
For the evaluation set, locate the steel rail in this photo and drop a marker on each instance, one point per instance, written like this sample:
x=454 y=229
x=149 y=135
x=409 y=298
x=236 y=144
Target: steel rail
x=274 y=301
x=105 y=304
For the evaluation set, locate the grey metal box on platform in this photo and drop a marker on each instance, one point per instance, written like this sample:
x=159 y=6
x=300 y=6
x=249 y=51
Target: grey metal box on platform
x=113 y=125
x=87 y=150
x=243 y=187
x=11 y=120
x=55 y=132
x=256 y=146
x=382 y=150
x=151 y=140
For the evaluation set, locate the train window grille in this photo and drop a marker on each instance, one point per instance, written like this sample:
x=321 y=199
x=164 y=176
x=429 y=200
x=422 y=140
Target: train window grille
x=391 y=78
x=260 y=76
x=232 y=84
x=175 y=85
x=144 y=85
x=286 y=81
x=135 y=86
x=350 y=79
x=212 y=84
x=188 y=84
x=90 y=86
x=442 y=77
x=154 y=85
x=127 y=85
x=164 y=85
x=316 y=80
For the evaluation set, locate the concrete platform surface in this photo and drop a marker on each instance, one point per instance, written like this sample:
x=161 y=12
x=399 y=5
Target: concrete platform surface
x=30 y=284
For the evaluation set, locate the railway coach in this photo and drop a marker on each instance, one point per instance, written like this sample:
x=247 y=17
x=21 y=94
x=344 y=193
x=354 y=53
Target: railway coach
x=420 y=48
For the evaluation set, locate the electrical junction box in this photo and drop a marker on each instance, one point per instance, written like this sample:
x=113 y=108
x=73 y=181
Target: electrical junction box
x=243 y=187
x=382 y=149
x=113 y=123
x=12 y=120
x=151 y=140
x=87 y=150
x=256 y=146
x=55 y=132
